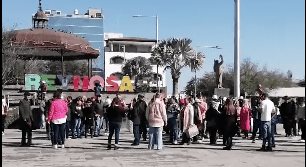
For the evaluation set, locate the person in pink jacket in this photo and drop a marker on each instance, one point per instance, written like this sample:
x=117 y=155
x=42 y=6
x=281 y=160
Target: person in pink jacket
x=157 y=118
x=245 y=116
x=57 y=119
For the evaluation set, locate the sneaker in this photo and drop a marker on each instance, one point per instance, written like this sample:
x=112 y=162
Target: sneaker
x=2 y=133
x=116 y=147
x=253 y=141
x=175 y=142
x=63 y=146
x=109 y=147
x=55 y=146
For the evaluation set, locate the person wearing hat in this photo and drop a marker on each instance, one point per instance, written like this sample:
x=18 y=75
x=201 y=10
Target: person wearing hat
x=25 y=119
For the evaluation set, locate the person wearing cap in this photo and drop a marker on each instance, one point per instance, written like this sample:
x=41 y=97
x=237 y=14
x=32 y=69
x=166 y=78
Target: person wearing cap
x=25 y=119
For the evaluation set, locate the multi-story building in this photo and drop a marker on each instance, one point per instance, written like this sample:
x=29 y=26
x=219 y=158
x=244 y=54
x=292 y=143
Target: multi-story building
x=118 y=49
x=88 y=26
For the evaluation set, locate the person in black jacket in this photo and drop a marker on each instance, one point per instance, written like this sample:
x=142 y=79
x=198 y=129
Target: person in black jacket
x=68 y=119
x=89 y=113
x=138 y=116
x=212 y=117
x=99 y=115
x=115 y=114
x=25 y=119
x=77 y=116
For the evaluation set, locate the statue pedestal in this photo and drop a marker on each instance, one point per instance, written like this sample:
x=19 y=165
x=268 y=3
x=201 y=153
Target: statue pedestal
x=223 y=92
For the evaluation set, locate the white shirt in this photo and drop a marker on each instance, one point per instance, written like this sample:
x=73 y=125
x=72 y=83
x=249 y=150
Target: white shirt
x=267 y=108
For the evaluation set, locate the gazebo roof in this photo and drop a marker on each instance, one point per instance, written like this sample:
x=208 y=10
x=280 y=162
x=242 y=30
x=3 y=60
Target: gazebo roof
x=49 y=44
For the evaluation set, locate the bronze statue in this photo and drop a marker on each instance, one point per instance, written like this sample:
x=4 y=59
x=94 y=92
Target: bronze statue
x=218 y=71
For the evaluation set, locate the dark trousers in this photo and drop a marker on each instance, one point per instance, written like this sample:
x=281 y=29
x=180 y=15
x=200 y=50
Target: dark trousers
x=59 y=133
x=143 y=130
x=228 y=141
x=67 y=128
x=136 y=132
x=293 y=127
x=185 y=138
x=114 y=127
x=3 y=122
x=172 y=126
x=89 y=125
x=273 y=126
x=256 y=127
x=302 y=125
x=28 y=132
x=212 y=135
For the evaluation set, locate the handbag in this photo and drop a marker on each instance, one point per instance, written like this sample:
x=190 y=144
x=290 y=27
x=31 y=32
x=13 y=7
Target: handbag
x=192 y=131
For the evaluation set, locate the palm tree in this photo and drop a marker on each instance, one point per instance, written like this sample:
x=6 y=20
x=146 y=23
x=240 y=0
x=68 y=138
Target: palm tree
x=175 y=54
x=138 y=68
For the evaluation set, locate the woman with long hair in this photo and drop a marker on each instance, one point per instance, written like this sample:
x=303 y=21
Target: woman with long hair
x=245 y=117
x=230 y=128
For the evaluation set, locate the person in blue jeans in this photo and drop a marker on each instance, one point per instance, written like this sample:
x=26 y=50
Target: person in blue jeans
x=267 y=109
x=115 y=114
x=77 y=115
x=172 y=113
x=99 y=114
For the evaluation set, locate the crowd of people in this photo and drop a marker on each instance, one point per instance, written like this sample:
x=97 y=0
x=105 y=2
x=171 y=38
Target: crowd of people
x=185 y=121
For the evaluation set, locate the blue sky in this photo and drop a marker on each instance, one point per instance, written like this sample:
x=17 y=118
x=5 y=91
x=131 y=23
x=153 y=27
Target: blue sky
x=272 y=31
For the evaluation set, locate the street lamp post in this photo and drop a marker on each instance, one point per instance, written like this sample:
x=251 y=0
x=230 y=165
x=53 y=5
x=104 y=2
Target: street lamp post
x=236 y=49
x=156 y=24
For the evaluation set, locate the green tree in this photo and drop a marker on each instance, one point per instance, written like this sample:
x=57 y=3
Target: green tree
x=175 y=54
x=139 y=69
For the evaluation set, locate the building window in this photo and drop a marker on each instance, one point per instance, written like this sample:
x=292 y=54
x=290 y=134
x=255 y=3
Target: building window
x=116 y=60
x=155 y=76
x=119 y=75
x=98 y=15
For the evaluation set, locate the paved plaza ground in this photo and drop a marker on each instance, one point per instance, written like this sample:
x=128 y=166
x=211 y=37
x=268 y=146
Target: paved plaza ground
x=91 y=152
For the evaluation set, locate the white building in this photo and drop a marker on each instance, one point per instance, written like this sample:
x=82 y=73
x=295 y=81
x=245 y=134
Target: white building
x=119 y=48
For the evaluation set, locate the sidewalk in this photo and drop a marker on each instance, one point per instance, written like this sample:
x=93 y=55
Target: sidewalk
x=92 y=152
